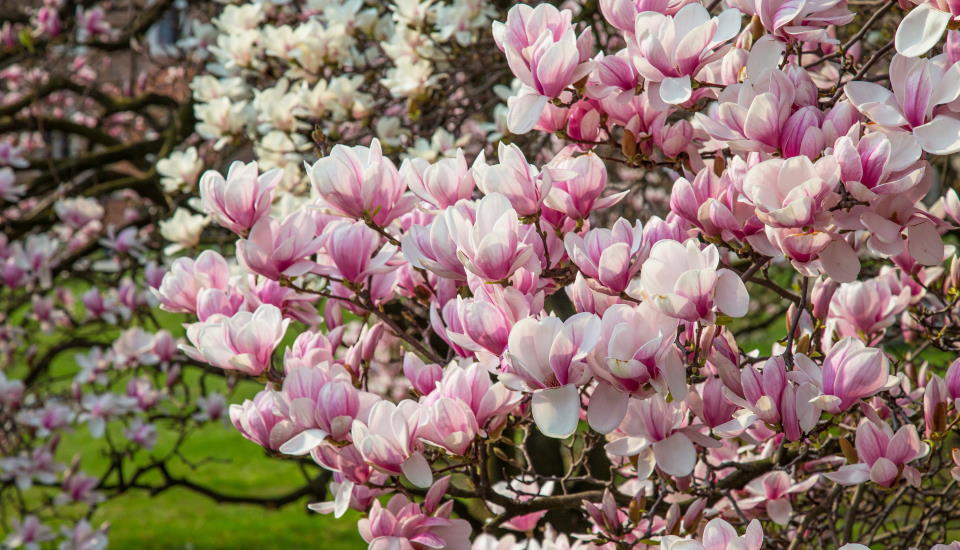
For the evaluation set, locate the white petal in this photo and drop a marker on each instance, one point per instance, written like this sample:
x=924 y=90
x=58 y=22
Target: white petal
x=417 y=471
x=303 y=442
x=676 y=90
x=920 y=30
x=676 y=455
x=556 y=410
x=523 y=112
x=940 y=136
x=607 y=408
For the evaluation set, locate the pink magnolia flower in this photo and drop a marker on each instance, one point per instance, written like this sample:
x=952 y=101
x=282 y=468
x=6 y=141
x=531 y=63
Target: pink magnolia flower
x=919 y=88
x=774 y=399
x=682 y=281
x=483 y=323
x=578 y=183
x=359 y=182
x=772 y=490
x=491 y=247
x=718 y=535
x=278 y=249
x=431 y=247
x=470 y=383
x=851 y=371
x=884 y=455
x=243 y=342
x=403 y=524
x=634 y=355
x=260 y=421
x=9 y=190
x=83 y=536
x=792 y=192
x=544 y=53
x=866 y=308
x=877 y=164
x=242 y=199
x=353 y=252
x=587 y=299
x=521 y=183
x=610 y=256
x=622 y=14
x=923 y=26
x=440 y=184
x=654 y=427
x=670 y=50
x=798 y=21
x=449 y=424
x=28 y=533
x=548 y=358
x=715 y=203
x=388 y=441
x=322 y=402
x=751 y=116
x=312 y=348
x=91 y=23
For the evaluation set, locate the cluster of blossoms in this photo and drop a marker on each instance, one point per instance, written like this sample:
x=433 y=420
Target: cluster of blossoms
x=86 y=366
x=564 y=341
x=499 y=334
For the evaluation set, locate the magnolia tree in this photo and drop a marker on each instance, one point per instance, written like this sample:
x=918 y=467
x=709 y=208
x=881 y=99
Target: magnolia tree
x=108 y=113
x=705 y=297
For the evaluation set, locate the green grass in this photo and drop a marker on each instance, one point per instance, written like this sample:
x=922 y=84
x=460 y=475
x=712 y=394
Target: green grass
x=181 y=519
x=218 y=457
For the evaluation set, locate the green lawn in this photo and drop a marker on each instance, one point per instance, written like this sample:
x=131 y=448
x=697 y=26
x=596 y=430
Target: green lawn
x=181 y=519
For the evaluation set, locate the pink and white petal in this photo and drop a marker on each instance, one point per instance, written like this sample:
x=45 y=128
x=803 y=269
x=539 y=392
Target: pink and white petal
x=523 y=111
x=940 y=136
x=303 y=442
x=780 y=510
x=925 y=243
x=920 y=30
x=341 y=501
x=764 y=55
x=840 y=261
x=884 y=472
x=417 y=471
x=851 y=474
x=731 y=294
x=607 y=408
x=676 y=90
x=556 y=411
x=627 y=446
x=675 y=455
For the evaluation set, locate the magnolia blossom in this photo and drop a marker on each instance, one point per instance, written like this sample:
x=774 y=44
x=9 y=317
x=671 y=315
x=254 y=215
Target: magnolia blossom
x=682 y=281
x=279 y=248
x=669 y=51
x=240 y=200
x=544 y=53
x=884 y=455
x=851 y=371
x=361 y=183
x=492 y=246
x=611 y=256
x=388 y=441
x=243 y=342
x=184 y=229
x=773 y=490
x=547 y=357
x=916 y=103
